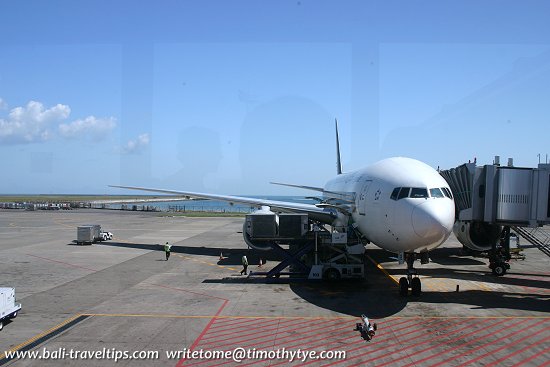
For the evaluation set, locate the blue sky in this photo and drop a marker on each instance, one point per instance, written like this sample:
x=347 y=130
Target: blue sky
x=225 y=96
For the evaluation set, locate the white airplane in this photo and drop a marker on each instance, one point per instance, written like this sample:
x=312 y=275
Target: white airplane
x=400 y=204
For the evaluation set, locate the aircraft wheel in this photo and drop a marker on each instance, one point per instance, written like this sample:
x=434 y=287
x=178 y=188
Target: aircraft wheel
x=499 y=269
x=332 y=275
x=403 y=286
x=416 y=286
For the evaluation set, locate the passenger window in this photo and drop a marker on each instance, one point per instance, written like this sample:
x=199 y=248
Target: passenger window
x=436 y=193
x=404 y=193
x=394 y=193
x=418 y=192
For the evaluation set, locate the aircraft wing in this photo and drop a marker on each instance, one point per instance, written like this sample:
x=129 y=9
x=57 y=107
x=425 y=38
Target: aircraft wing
x=300 y=186
x=322 y=214
x=344 y=197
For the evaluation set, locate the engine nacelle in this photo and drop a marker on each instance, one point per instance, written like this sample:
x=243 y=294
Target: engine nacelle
x=478 y=236
x=269 y=225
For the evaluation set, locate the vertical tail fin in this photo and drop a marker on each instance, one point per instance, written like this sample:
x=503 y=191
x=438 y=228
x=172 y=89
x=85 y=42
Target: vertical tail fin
x=338 y=161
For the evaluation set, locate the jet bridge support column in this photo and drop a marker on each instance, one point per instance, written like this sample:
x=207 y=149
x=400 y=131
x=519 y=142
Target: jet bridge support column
x=499 y=255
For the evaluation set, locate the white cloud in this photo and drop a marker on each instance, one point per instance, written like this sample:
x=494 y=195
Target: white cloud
x=3 y=104
x=136 y=145
x=90 y=127
x=31 y=123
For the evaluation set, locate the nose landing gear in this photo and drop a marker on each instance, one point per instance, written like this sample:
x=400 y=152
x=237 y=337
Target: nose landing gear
x=412 y=280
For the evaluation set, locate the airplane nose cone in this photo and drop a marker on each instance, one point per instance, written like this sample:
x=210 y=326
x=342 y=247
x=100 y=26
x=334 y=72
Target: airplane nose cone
x=433 y=221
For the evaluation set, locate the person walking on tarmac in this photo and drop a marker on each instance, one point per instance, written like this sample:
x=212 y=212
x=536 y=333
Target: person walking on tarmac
x=245 y=265
x=167 y=248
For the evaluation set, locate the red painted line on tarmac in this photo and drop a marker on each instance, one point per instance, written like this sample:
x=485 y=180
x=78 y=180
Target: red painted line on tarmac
x=309 y=347
x=525 y=361
x=62 y=262
x=506 y=336
x=233 y=322
x=278 y=340
x=522 y=349
x=273 y=341
x=251 y=336
x=261 y=331
x=385 y=337
x=236 y=329
x=456 y=347
x=251 y=323
x=240 y=325
x=353 y=335
x=396 y=341
x=391 y=341
x=282 y=332
x=193 y=346
x=236 y=335
x=205 y=330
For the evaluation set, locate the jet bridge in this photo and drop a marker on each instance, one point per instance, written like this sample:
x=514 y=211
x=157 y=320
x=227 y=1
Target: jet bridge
x=492 y=199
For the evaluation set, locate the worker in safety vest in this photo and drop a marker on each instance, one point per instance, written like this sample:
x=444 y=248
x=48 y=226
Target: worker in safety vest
x=245 y=265
x=167 y=248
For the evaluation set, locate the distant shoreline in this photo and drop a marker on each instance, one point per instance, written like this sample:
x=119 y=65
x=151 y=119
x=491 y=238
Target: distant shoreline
x=145 y=203
x=43 y=198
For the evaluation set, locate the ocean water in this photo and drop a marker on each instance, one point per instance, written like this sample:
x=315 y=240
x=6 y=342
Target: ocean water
x=208 y=205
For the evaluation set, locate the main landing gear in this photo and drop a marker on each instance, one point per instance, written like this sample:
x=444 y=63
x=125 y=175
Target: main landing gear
x=412 y=280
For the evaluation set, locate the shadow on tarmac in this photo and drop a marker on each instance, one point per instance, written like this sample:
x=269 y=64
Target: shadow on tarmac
x=452 y=256
x=231 y=256
x=377 y=296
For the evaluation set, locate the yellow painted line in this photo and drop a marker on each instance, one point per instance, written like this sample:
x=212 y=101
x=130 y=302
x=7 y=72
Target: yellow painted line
x=306 y=317
x=483 y=286
x=36 y=337
x=219 y=316
x=207 y=263
x=383 y=270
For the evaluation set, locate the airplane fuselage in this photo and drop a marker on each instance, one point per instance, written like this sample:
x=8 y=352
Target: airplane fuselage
x=399 y=204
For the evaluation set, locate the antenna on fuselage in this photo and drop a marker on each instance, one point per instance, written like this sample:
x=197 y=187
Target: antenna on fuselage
x=338 y=161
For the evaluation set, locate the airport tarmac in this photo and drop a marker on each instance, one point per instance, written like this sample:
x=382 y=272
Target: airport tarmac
x=122 y=296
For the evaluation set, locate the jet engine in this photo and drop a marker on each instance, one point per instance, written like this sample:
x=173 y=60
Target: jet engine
x=262 y=221
x=478 y=236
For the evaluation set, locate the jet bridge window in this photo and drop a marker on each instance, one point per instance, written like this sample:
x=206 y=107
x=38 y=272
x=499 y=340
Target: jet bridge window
x=404 y=193
x=394 y=193
x=436 y=193
x=418 y=192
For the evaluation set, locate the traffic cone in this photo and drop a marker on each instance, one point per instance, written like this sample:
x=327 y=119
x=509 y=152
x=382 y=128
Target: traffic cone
x=259 y=266
x=221 y=256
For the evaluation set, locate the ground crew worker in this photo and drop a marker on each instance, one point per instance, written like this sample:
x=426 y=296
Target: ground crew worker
x=367 y=328
x=245 y=265
x=167 y=248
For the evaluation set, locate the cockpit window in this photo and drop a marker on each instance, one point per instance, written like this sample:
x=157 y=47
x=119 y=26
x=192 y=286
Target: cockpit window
x=436 y=193
x=447 y=192
x=394 y=193
x=418 y=192
x=404 y=193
